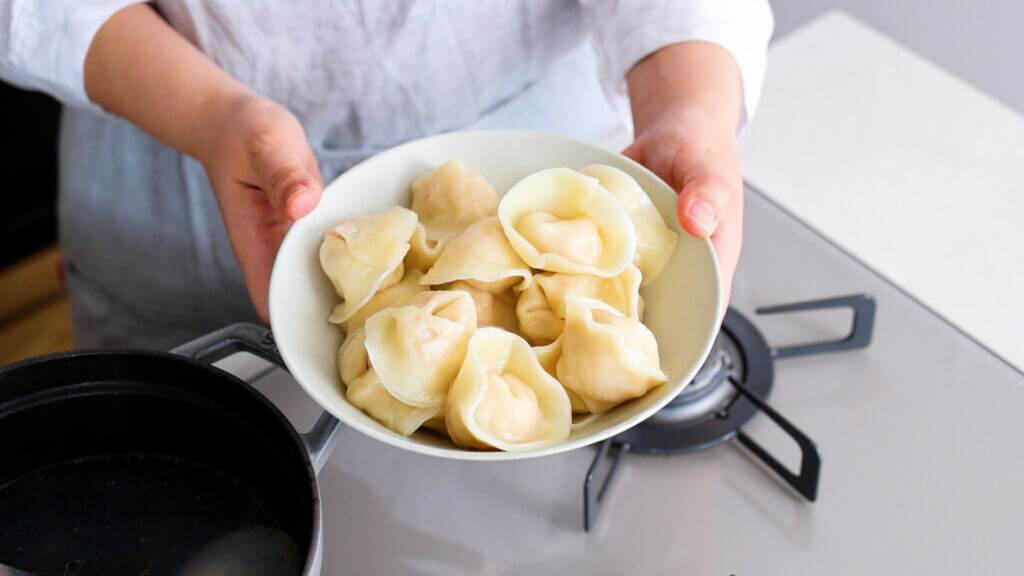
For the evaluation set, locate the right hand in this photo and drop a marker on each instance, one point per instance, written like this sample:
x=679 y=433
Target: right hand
x=264 y=176
x=700 y=160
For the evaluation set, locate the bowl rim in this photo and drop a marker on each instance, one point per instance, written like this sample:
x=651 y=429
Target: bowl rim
x=380 y=432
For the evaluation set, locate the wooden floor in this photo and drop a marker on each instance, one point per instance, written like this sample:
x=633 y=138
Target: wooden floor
x=35 y=317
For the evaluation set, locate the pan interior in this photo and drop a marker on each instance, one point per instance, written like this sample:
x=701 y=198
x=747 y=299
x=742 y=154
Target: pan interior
x=183 y=471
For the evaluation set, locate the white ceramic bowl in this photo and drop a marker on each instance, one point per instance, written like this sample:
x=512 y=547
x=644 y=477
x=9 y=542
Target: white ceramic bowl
x=681 y=305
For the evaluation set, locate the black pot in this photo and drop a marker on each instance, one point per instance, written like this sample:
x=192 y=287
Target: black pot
x=156 y=463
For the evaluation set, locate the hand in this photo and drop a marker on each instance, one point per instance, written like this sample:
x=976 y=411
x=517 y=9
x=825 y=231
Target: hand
x=686 y=101
x=264 y=176
x=262 y=170
x=700 y=161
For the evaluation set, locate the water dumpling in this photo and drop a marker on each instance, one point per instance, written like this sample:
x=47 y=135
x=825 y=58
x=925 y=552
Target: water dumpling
x=607 y=357
x=492 y=309
x=548 y=356
x=364 y=390
x=538 y=323
x=482 y=256
x=575 y=239
x=502 y=398
x=654 y=241
x=364 y=254
x=417 y=348
x=541 y=307
x=450 y=198
x=562 y=221
x=394 y=295
x=447 y=200
x=422 y=252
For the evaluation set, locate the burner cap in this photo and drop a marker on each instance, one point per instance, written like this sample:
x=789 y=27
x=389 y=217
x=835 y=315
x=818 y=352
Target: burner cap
x=707 y=412
x=709 y=391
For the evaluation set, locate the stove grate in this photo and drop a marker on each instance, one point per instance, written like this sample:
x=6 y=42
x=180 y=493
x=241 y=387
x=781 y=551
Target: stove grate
x=738 y=373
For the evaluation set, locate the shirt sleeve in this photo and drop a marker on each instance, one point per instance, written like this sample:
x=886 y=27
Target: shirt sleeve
x=624 y=32
x=43 y=44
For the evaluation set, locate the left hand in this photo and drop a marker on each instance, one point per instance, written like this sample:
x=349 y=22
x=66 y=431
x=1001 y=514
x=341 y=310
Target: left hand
x=699 y=159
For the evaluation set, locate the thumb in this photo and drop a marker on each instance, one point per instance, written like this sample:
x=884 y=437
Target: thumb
x=284 y=174
x=634 y=152
x=701 y=203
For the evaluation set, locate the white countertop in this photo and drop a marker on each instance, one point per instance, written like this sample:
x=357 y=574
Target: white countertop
x=905 y=166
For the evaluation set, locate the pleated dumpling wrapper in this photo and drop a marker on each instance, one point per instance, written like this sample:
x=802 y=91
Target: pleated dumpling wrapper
x=364 y=390
x=482 y=256
x=607 y=357
x=503 y=398
x=654 y=241
x=450 y=198
x=395 y=295
x=548 y=356
x=491 y=309
x=363 y=255
x=559 y=220
x=541 y=307
x=422 y=252
x=417 y=348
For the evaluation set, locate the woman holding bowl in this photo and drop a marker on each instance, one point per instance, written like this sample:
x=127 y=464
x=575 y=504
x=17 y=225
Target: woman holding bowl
x=196 y=132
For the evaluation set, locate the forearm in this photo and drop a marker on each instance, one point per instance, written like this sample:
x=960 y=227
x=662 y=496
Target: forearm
x=696 y=83
x=141 y=69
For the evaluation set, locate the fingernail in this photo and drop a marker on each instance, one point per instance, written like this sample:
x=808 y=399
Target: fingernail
x=299 y=203
x=294 y=193
x=704 y=215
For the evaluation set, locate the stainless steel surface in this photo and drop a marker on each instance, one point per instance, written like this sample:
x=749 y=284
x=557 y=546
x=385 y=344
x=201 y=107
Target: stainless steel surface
x=919 y=435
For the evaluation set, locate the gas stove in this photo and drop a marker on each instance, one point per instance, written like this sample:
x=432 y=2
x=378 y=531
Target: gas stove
x=728 y=390
x=913 y=467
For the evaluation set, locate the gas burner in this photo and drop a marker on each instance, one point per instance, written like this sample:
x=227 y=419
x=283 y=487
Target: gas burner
x=726 y=393
x=706 y=413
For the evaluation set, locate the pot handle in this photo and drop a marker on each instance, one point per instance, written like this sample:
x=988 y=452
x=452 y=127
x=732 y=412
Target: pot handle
x=245 y=337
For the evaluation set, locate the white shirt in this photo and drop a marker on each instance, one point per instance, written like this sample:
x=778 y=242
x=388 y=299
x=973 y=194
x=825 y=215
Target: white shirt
x=43 y=43
x=361 y=76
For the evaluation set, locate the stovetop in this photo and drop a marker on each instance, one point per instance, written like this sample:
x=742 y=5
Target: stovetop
x=918 y=434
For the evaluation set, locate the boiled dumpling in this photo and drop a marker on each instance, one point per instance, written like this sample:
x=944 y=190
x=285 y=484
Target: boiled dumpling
x=541 y=307
x=365 y=391
x=491 y=309
x=364 y=254
x=450 y=198
x=394 y=295
x=538 y=323
x=417 y=348
x=422 y=252
x=562 y=221
x=441 y=303
x=482 y=256
x=548 y=356
x=654 y=241
x=502 y=398
x=577 y=240
x=607 y=358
